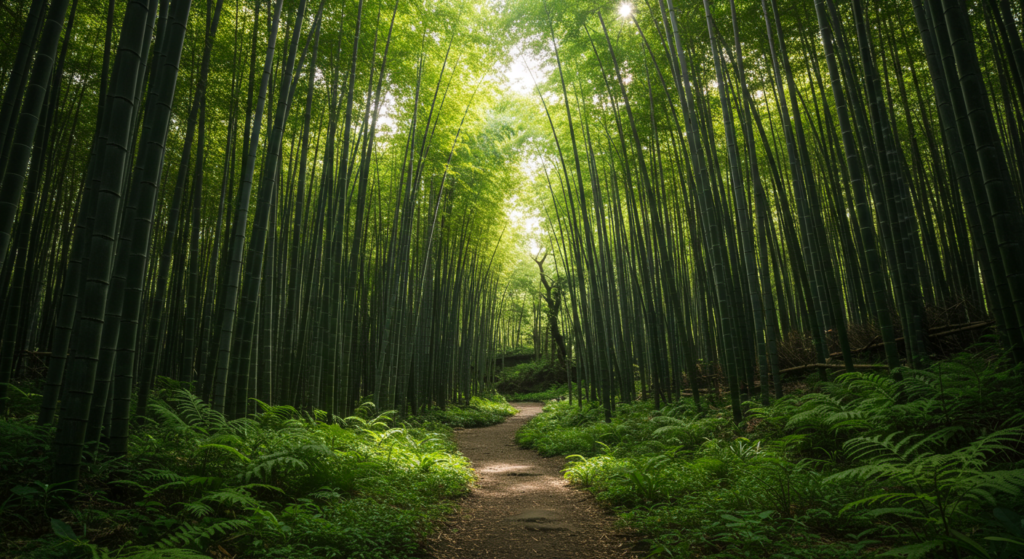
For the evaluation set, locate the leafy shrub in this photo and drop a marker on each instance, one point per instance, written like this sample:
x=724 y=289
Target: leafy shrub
x=636 y=428
x=937 y=492
x=530 y=377
x=555 y=392
x=277 y=484
x=25 y=452
x=481 y=412
x=925 y=466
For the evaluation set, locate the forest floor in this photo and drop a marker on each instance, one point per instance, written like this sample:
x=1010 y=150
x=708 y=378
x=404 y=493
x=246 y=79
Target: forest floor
x=522 y=506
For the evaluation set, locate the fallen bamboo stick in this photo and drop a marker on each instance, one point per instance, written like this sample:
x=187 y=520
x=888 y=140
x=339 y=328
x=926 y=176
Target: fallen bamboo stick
x=830 y=366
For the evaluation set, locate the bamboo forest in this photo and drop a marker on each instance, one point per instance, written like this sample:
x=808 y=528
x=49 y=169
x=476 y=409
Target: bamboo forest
x=446 y=279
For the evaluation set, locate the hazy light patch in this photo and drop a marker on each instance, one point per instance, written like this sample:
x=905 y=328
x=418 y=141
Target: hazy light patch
x=531 y=164
x=518 y=78
x=518 y=72
x=625 y=10
x=526 y=219
x=386 y=117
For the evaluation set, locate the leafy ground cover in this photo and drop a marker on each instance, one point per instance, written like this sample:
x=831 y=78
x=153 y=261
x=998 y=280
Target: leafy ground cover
x=927 y=466
x=555 y=392
x=278 y=484
x=481 y=412
x=531 y=381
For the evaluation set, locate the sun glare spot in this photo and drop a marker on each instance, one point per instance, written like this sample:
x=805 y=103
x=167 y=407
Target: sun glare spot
x=625 y=10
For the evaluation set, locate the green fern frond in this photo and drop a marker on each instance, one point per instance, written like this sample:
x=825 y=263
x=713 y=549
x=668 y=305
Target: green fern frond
x=206 y=482
x=226 y=439
x=869 y=384
x=815 y=410
x=231 y=498
x=249 y=486
x=167 y=418
x=928 y=484
x=225 y=448
x=268 y=464
x=275 y=414
x=997 y=441
x=1015 y=420
x=160 y=475
x=198 y=509
x=196 y=535
x=983 y=486
x=354 y=421
x=242 y=426
x=196 y=412
x=165 y=487
x=366 y=409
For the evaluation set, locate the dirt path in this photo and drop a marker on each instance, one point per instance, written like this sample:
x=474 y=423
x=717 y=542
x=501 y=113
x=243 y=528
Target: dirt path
x=522 y=507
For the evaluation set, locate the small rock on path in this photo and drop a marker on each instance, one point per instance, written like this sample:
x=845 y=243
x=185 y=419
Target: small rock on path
x=522 y=506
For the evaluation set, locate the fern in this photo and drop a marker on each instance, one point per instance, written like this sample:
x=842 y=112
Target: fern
x=927 y=485
x=303 y=458
x=169 y=419
x=264 y=469
x=823 y=411
x=225 y=448
x=243 y=427
x=231 y=498
x=196 y=413
x=198 y=509
x=679 y=410
x=196 y=535
x=868 y=382
x=165 y=479
x=676 y=433
x=859 y=401
x=360 y=424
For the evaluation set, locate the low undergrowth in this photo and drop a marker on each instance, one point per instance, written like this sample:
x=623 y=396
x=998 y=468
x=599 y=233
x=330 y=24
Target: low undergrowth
x=481 y=412
x=929 y=466
x=555 y=392
x=279 y=484
x=533 y=378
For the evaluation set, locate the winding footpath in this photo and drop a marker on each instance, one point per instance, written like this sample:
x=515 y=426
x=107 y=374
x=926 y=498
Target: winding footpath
x=522 y=507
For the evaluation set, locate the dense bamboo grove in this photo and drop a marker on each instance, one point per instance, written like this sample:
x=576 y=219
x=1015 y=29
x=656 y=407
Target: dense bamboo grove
x=315 y=203
x=731 y=177
x=282 y=201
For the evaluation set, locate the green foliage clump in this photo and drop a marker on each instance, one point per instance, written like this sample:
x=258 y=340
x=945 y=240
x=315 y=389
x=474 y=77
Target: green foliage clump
x=481 y=412
x=927 y=466
x=277 y=484
x=532 y=377
x=555 y=392
x=635 y=428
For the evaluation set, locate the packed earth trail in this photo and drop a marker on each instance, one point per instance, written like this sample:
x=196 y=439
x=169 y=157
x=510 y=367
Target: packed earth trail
x=522 y=507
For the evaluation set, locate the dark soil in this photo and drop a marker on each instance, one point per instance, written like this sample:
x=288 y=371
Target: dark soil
x=522 y=507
